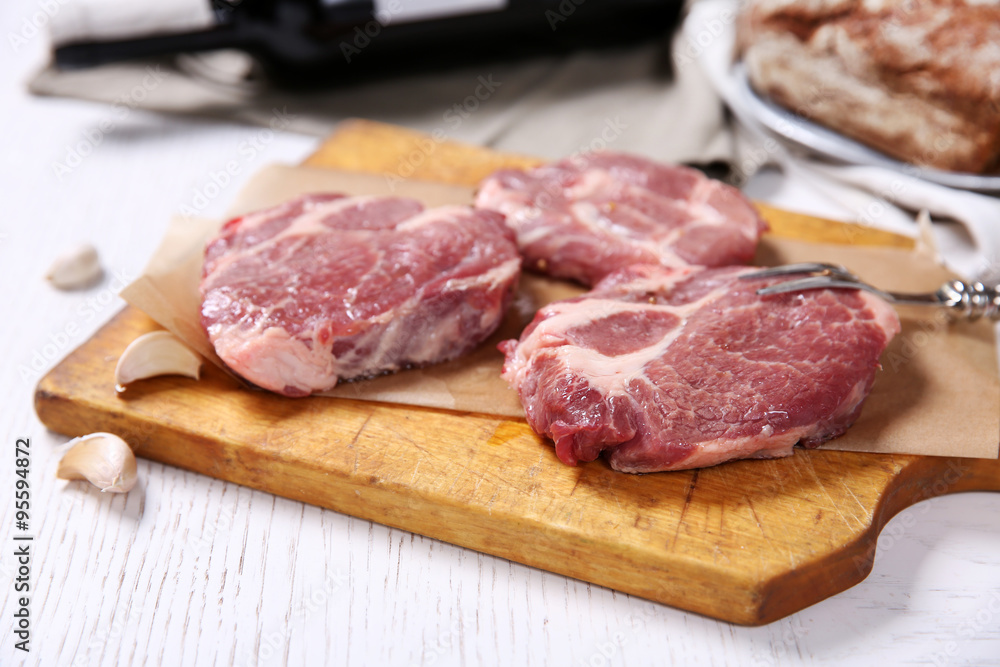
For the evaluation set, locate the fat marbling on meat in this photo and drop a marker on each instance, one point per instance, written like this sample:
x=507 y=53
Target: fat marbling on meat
x=669 y=369
x=590 y=214
x=326 y=287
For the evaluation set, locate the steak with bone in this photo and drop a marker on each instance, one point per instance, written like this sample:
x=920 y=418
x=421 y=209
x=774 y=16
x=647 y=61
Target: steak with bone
x=669 y=369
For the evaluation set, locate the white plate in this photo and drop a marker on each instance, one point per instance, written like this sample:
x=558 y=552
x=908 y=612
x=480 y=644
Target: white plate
x=830 y=144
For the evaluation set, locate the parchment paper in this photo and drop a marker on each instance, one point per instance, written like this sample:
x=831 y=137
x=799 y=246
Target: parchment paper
x=938 y=392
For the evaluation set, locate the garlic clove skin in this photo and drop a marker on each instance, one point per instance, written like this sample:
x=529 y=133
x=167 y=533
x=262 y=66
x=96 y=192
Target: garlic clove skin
x=103 y=459
x=76 y=268
x=155 y=353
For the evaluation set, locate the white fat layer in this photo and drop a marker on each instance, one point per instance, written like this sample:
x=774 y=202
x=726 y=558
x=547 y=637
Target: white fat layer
x=586 y=213
x=494 y=277
x=661 y=246
x=591 y=182
x=432 y=215
x=529 y=236
x=309 y=223
x=610 y=375
x=271 y=358
x=712 y=452
x=274 y=359
x=709 y=215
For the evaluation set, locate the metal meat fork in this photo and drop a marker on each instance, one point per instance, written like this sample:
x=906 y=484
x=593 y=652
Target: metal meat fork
x=971 y=300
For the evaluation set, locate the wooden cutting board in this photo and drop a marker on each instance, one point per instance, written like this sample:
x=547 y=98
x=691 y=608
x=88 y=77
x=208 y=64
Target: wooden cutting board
x=748 y=542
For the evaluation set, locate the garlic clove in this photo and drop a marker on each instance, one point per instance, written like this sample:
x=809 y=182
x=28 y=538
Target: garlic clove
x=155 y=353
x=76 y=268
x=103 y=459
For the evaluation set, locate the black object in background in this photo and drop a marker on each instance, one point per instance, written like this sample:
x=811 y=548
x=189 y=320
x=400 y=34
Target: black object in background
x=322 y=42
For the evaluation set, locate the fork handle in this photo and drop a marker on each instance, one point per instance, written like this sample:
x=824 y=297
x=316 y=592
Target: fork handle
x=972 y=300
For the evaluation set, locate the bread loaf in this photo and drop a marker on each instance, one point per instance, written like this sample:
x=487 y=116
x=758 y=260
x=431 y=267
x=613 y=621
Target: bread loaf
x=917 y=79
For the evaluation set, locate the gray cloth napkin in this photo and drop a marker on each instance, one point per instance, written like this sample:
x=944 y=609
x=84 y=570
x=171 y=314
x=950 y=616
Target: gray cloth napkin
x=622 y=99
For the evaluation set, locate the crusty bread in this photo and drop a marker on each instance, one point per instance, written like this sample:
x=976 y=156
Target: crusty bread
x=916 y=79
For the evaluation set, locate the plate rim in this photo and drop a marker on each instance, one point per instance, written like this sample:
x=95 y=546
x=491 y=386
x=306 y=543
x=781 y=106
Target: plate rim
x=830 y=144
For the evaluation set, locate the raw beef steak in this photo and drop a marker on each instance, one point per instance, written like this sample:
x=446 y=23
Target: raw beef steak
x=591 y=214
x=668 y=369
x=327 y=287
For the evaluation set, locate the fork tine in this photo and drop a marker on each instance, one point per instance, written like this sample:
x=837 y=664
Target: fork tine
x=971 y=300
x=823 y=282
x=804 y=267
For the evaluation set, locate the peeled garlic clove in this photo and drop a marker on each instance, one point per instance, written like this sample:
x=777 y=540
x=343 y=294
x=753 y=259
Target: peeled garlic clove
x=103 y=459
x=75 y=268
x=155 y=353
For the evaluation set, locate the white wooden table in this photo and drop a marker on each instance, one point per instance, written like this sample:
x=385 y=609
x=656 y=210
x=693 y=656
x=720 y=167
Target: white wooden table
x=188 y=570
